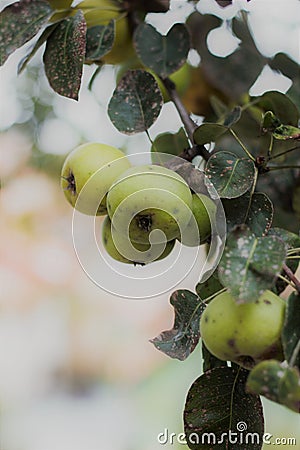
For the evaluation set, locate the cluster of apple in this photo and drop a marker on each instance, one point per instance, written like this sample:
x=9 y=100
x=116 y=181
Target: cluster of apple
x=244 y=333
x=148 y=207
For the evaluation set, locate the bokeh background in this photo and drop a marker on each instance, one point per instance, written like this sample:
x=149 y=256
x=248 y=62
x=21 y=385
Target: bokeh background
x=77 y=371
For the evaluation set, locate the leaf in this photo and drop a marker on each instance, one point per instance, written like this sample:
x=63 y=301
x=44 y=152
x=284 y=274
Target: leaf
x=235 y=74
x=153 y=6
x=181 y=340
x=217 y=406
x=260 y=214
x=209 y=287
x=210 y=361
x=250 y=264
x=136 y=102
x=280 y=104
x=208 y=132
x=171 y=143
x=20 y=22
x=291 y=328
x=270 y=122
x=230 y=175
x=284 y=132
x=162 y=54
x=42 y=39
x=232 y=117
x=277 y=382
x=64 y=56
x=99 y=41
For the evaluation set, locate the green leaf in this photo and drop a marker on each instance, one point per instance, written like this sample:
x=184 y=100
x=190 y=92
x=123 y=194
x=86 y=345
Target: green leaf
x=250 y=264
x=232 y=117
x=42 y=39
x=181 y=340
x=99 y=41
x=171 y=143
x=230 y=175
x=64 y=56
x=218 y=405
x=162 y=54
x=209 y=287
x=284 y=132
x=291 y=329
x=136 y=102
x=280 y=104
x=270 y=122
x=208 y=132
x=210 y=361
x=20 y=22
x=260 y=214
x=277 y=382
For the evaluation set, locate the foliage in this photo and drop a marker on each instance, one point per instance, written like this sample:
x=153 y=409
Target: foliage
x=254 y=168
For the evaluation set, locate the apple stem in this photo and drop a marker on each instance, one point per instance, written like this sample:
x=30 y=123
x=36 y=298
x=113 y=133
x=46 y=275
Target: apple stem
x=292 y=277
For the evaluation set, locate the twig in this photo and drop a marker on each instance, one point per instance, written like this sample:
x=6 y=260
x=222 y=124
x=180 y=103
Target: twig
x=292 y=277
x=189 y=125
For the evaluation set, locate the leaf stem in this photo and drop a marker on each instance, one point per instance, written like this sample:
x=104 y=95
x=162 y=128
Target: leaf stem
x=284 y=153
x=286 y=281
x=292 y=276
x=282 y=167
x=241 y=144
x=295 y=353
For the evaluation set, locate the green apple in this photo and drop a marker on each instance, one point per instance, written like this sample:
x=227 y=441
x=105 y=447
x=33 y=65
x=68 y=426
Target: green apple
x=122 y=249
x=101 y=12
x=181 y=77
x=203 y=211
x=99 y=165
x=148 y=198
x=62 y=9
x=244 y=333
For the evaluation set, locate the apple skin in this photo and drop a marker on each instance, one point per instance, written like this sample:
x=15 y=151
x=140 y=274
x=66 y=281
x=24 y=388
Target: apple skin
x=243 y=333
x=80 y=166
x=200 y=207
x=149 y=253
x=101 y=12
x=155 y=198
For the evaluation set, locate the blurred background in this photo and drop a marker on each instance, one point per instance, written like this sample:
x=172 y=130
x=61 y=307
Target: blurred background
x=77 y=371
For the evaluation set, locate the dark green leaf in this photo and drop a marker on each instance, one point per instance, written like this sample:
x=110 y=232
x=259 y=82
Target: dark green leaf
x=163 y=54
x=64 y=55
x=210 y=361
x=20 y=22
x=218 y=404
x=171 y=143
x=232 y=117
x=291 y=329
x=236 y=73
x=270 y=122
x=209 y=287
x=42 y=39
x=277 y=382
x=230 y=175
x=181 y=340
x=136 y=102
x=208 y=132
x=99 y=41
x=280 y=104
x=260 y=214
x=250 y=264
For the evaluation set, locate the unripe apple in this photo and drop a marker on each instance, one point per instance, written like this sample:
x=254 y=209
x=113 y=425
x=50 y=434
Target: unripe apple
x=244 y=333
x=203 y=212
x=148 y=198
x=101 y=165
x=101 y=12
x=123 y=250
